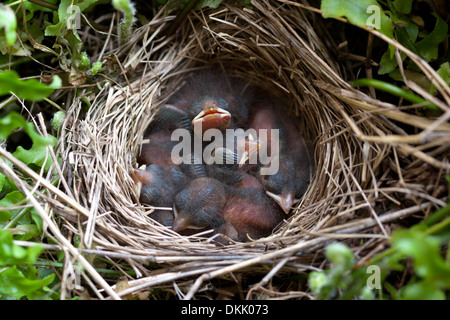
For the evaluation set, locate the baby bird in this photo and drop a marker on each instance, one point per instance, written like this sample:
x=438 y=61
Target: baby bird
x=158 y=150
x=238 y=149
x=235 y=206
x=170 y=117
x=199 y=205
x=293 y=154
x=209 y=113
x=213 y=100
x=158 y=187
x=162 y=179
x=250 y=211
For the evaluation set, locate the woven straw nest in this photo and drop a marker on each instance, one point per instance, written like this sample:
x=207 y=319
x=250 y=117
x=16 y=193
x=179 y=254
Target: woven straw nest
x=370 y=173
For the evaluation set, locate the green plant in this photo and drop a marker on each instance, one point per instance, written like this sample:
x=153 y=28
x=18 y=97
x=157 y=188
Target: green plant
x=18 y=220
x=9 y=24
x=18 y=277
x=128 y=10
x=423 y=244
x=395 y=20
x=61 y=24
x=340 y=281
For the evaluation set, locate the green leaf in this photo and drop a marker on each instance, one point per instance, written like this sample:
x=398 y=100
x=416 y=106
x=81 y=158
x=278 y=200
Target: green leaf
x=417 y=77
x=422 y=291
x=340 y=255
x=13 y=283
x=8 y=185
x=212 y=3
x=58 y=120
x=2 y=181
x=96 y=67
x=406 y=33
x=444 y=73
x=30 y=89
x=9 y=123
x=437 y=217
x=429 y=45
x=367 y=294
x=362 y=13
x=387 y=63
x=25 y=232
x=425 y=251
x=31 y=8
x=12 y=254
x=67 y=11
x=343 y=280
x=11 y=199
x=56 y=82
x=85 y=61
x=403 y=6
x=9 y=23
x=317 y=281
x=37 y=219
x=38 y=153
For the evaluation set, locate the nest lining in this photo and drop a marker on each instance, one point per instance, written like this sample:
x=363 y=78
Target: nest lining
x=364 y=179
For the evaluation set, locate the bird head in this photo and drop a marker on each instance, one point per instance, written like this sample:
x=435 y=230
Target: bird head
x=210 y=112
x=199 y=205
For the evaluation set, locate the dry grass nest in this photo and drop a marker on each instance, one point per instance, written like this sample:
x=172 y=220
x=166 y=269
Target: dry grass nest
x=376 y=163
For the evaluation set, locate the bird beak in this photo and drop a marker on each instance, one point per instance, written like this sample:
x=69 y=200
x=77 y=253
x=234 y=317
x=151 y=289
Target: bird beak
x=284 y=201
x=140 y=176
x=212 y=118
x=180 y=223
x=244 y=152
x=251 y=147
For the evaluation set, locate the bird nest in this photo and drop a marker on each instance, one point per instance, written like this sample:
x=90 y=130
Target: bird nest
x=376 y=164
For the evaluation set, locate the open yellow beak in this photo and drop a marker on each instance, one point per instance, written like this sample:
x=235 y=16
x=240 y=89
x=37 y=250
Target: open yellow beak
x=212 y=118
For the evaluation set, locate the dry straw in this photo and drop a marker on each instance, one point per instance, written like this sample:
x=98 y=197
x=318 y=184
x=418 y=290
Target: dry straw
x=371 y=172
